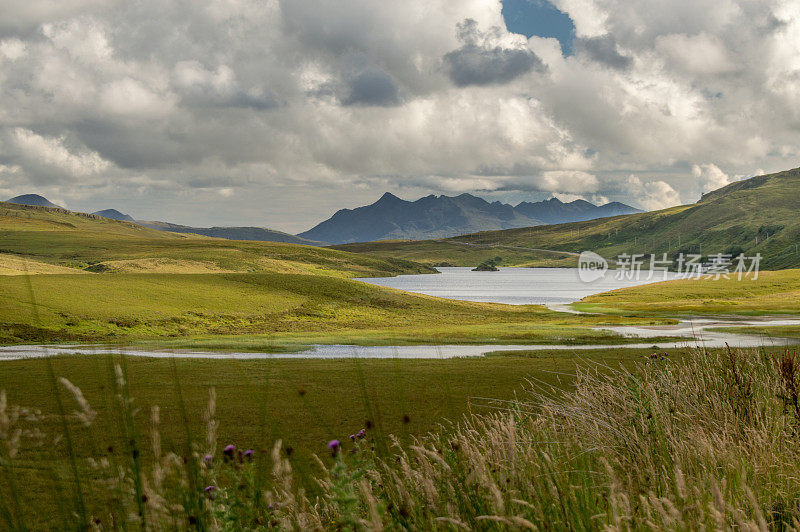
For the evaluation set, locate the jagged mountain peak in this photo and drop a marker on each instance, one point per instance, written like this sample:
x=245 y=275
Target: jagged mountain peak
x=442 y=216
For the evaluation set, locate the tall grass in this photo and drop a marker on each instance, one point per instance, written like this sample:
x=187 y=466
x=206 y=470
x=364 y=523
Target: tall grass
x=709 y=442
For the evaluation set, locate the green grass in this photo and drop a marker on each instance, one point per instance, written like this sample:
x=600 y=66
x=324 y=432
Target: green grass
x=323 y=396
x=254 y=311
x=758 y=215
x=304 y=403
x=453 y=252
x=96 y=244
x=773 y=292
x=775 y=331
x=554 y=439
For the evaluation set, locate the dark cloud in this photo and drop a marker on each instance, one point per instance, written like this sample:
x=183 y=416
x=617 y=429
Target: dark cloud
x=603 y=49
x=478 y=62
x=371 y=86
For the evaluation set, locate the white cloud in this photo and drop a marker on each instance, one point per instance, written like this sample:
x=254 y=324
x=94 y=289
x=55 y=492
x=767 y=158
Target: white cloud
x=50 y=154
x=131 y=98
x=592 y=198
x=574 y=182
x=652 y=195
x=588 y=16
x=352 y=95
x=13 y=49
x=697 y=54
x=709 y=177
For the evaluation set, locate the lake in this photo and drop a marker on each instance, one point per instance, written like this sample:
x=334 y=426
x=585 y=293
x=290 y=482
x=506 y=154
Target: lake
x=512 y=286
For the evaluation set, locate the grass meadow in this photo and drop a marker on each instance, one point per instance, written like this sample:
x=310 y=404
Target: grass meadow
x=257 y=311
x=771 y=292
x=630 y=439
x=453 y=252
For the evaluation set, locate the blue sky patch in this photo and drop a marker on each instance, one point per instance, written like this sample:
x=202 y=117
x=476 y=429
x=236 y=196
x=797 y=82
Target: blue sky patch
x=540 y=18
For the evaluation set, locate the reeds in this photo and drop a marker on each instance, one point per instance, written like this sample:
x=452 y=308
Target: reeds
x=710 y=442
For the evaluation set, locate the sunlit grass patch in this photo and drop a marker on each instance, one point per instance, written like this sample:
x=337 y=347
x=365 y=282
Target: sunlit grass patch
x=773 y=292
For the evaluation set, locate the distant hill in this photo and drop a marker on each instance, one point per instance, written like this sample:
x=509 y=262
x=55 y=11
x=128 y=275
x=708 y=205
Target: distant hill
x=114 y=214
x=554 y=211
x=444 y=216
x=756 y=215
x=33 y=199
x=260 y=234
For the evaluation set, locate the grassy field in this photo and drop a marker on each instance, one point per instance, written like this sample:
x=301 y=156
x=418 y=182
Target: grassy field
x=528 y=431
x=757 y=215
x=264 y=310
x=775 y=331
x=773 y=292
x=326 y=400
x=15 y=265
x=84 y=242
x=453 y=252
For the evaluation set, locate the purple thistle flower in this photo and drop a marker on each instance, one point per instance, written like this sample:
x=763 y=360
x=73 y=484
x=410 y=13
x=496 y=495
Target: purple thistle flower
x=352 y=436
x=209 y=489
x=334 y=446
x=249 y=454
x=228 y=451
x=208 y=459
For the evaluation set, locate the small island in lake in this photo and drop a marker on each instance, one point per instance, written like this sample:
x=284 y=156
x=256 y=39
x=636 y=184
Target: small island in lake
x=489 y=265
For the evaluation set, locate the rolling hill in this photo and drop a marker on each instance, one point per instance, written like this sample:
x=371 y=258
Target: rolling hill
x=757 y=215
x=443 y=216
x=88 y=242
x=33 y=199
x=114 y=214
x=260 y=234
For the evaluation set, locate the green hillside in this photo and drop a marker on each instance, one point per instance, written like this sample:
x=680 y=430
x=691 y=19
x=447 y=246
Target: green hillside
x=86 y=242
x=141 y=285
x=757 y=215
x=771 y=292
x=454 y=252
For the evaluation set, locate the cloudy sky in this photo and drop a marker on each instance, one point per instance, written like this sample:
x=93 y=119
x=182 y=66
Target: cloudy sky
x=277 y=113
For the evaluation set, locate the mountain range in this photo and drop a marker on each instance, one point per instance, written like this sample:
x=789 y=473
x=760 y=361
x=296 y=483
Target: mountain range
x=445 y=216
x=393 y=218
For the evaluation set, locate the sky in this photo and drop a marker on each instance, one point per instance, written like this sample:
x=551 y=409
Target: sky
x=277 y=113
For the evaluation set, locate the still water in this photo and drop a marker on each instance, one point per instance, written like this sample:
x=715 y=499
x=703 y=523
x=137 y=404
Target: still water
x=512 y=286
